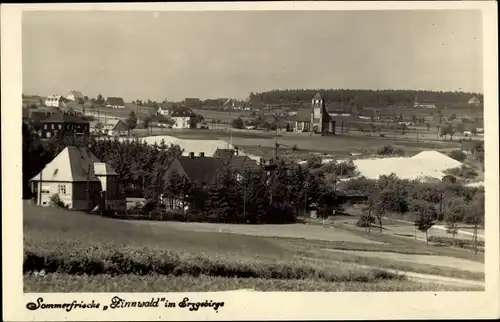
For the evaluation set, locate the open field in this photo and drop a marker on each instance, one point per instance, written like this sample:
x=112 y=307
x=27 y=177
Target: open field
x=262 y=143
x=223 y=116
x=284 y=231
x=102 y=111
x=67 y=244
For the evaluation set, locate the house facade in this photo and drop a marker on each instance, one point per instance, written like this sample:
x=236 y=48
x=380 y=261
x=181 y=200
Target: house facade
x=115 y=102
x=113 y=127
x=183 y=118
x=54 y=101
x=59 y=125
x=423 y=104
x=75 y=96
x=160 y=121
x=81 y=181
x=166 y=108
x=316 y=119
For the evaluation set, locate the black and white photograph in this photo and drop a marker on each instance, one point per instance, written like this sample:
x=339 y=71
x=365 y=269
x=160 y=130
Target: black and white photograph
x=250 y=151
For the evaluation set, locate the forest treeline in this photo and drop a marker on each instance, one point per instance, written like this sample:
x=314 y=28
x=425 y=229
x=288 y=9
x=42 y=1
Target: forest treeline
x=364 y=98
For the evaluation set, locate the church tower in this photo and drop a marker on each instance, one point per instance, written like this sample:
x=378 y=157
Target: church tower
x=317 y=117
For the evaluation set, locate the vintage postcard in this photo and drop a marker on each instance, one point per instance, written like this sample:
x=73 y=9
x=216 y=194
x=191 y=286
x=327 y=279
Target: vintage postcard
x=240 y=161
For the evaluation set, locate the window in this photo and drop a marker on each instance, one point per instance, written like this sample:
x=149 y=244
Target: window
x=59 y=126
x=61 y=189
x=45 y=127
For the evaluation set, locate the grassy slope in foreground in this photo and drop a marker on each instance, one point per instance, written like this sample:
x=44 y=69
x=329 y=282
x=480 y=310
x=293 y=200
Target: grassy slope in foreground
x=161 y=283
x=73 y=243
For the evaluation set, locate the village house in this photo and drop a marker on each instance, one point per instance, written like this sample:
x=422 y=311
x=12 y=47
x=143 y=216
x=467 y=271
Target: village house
x=474 y=101
x=165 y=108
x=59 y=125
x=340 y=112
x=75 y=96
x=160 y=121
x=423 y=104
x=35 y=115
x=315 y=119
x=183 y=118
x=239 y=162
x=55 y=101
x=115 y=102
x=81 y=181
x=112 y=127
x=203 y=169
x=32 y=101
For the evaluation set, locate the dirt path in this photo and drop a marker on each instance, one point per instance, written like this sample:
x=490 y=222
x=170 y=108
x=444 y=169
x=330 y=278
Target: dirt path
x=433 y=260
x=435 y=279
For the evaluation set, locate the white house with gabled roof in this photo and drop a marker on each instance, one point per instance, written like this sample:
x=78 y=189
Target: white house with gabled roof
x=80 y=179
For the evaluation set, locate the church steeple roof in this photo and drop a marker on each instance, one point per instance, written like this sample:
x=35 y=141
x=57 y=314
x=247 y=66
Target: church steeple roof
x=317 y=96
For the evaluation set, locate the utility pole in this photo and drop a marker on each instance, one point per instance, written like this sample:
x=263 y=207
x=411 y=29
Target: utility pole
x=87 y=197
x=39 y=192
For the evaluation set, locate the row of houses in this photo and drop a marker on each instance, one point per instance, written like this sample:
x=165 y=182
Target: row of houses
x=60 y=101
x=83 y=182
x=51 y=124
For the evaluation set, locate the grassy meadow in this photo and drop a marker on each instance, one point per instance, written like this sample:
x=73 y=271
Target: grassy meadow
x=86 y=253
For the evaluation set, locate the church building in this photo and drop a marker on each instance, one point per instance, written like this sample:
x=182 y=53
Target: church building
x=316 y=119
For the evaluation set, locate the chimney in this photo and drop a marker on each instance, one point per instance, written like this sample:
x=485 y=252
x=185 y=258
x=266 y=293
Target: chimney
x=202 y=154
x=261 y=161
x=236 y=150
x=191 y=155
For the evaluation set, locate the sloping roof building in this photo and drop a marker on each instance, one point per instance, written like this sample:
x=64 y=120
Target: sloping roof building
x=70 y=174
x=75 y=96
x=115 y=102
x=197 y=169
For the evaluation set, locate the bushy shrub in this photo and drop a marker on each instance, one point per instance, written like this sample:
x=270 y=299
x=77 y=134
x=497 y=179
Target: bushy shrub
x=365 y=221
x=463 y=172
x=458 y=155
x=55 y=201
x=385 y=150
x=115 y=260
x=341 y=169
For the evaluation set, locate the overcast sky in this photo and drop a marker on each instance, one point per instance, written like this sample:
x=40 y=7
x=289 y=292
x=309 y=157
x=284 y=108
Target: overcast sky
x=230 y=54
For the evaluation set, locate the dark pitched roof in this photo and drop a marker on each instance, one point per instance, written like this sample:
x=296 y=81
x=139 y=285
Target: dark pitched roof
x=317 y=96
x=116 y=101
x=182 y=112
x=72 y=164
x=242 y=162
x=201 y=169
x=64 y=118
x=224 y=153
x=159 y=118
x=167 y=105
